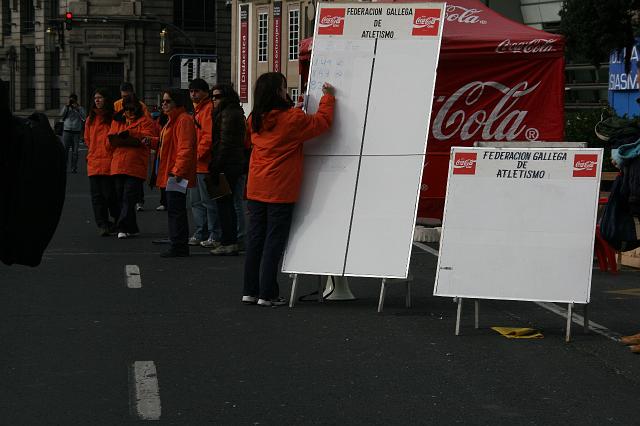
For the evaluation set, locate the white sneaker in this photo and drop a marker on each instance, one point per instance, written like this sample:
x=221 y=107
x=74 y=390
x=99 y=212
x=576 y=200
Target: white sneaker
x=210 y=243
x=122 y=235
x=139 y=207
x=278 y=301
x=161 y=208
x=194 y=241
x=249 y=300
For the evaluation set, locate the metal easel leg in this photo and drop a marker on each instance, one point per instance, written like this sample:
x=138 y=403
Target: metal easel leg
x=294 y=289
x=320 y=289
x=383 y=290
x=459 y=313
x=477 y=313
x=407 y=300
x=585 y=314
x=567 y=337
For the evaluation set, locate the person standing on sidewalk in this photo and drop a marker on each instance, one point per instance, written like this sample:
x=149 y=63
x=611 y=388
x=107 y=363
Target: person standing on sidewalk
x=177 y=160
x=130 y=162
x=277 y=132
x=73 y=116
x=205 y=214
x=228 y=159
x=99 y=161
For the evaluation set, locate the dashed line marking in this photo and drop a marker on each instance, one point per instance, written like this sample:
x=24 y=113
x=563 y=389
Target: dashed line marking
x=132 y=274
x=144 y=392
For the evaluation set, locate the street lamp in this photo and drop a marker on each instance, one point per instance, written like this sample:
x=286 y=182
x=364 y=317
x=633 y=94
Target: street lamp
x=163 y=34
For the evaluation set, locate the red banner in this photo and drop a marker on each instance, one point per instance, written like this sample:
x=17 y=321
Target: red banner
x=277 y=34
x=244 y=53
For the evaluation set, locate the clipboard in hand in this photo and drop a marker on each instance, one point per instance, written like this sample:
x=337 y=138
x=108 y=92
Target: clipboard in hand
x=218 y=190
x=117 y=141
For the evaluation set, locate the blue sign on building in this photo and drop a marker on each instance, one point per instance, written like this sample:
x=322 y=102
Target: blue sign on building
x=624 y=88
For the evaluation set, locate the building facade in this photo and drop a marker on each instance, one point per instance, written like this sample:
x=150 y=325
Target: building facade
x=153 y=44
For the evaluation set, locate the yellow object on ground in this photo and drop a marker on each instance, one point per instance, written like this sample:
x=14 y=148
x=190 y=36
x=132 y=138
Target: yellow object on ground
x=518 y=333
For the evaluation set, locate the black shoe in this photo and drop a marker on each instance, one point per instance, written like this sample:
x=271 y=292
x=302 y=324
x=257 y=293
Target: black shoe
x=103 y=232
x=161 y=241
x=74 y=171
x=174 y=253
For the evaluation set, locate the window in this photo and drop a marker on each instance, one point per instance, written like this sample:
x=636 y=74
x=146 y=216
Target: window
x=29 y=77
x=295 y=92
x=54 y=8
x=194 y=15
x=27 y=16
x=263 y=36
x=52 y=100
x=6 y=17
x=294 y=34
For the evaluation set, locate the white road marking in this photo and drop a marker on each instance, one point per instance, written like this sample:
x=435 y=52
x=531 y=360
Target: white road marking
x=426 y=248
x=552 y=307
x=144 y=391
x=132 y=273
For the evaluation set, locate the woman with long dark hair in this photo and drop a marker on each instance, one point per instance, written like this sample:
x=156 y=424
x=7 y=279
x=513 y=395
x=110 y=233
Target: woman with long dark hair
x=277 y=132
x=99 y=158
x=130 y=161
x=228 y=159
x=177 y=160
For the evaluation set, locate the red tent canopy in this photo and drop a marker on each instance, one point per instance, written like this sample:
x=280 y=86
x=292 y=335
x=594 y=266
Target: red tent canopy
x=498 y=80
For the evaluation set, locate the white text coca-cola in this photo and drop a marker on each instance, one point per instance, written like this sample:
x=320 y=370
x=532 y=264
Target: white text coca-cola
x=463 y=15
x=425 y=21
x=331 y=21
x=538 y=45
x=584 y=165
x=464 y=163
x=503 y=122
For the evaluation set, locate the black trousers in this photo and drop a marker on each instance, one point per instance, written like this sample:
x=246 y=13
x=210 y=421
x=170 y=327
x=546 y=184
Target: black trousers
x=103 y=199
x=267 y=235
x=227 y=214
x=127 y=193
x=178 y=222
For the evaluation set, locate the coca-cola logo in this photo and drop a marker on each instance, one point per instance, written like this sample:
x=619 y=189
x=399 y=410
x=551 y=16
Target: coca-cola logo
x=464 y=163
x=426 y=22
x=503 y=122
x=331 y=21
x=463 y=15
x=538 y=45
x=585 y=165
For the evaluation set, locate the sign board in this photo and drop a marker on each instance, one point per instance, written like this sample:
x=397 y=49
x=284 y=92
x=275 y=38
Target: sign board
x=519 y=224
x=356 y=212
x=198 y=67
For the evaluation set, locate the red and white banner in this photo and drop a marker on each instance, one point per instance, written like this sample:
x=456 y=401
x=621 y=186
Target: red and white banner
x=244 y=53
x=277 y=35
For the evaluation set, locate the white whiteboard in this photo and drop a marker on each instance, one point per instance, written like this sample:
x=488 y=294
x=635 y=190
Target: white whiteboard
x=519 y=233
x=356 y=212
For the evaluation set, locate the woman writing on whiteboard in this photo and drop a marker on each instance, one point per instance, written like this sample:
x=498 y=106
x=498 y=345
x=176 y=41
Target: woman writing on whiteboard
x=276 y=132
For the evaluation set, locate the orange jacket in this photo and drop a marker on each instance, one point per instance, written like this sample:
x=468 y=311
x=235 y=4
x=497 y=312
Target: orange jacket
x=132 y=161
x=275 y=168
x=100 y=151
x=177 y=149
x=117 y=107
x=202 y=119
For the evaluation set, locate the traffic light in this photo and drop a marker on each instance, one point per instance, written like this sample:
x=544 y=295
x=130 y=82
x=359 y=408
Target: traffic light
x=68 y=20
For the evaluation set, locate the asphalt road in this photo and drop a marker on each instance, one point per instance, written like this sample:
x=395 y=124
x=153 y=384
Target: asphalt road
x=81 y=347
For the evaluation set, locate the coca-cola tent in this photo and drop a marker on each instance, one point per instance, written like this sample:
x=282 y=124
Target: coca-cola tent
x=498 y=80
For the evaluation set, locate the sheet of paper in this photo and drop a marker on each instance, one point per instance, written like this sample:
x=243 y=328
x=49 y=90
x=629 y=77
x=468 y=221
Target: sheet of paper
x=173 y=185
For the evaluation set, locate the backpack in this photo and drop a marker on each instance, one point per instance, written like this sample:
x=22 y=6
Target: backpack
x=33 y=168
x=618 y=226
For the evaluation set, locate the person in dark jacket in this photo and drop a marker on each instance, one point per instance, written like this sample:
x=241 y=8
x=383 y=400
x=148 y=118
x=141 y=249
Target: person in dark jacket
x=228 y=161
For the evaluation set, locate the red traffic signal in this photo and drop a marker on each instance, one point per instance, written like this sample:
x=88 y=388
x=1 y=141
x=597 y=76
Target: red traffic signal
x=68 y=20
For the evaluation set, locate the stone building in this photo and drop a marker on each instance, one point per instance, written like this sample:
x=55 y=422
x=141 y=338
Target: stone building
x=152 y=44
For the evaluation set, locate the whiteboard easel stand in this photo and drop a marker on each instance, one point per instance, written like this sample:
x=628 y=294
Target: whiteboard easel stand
x=383 y=291
x=294 y=290
x=567 y=337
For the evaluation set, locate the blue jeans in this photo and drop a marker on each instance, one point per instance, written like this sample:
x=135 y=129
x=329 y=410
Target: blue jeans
x=71 y=141
x=205 y=211
x=239 y=204
x=269 y=225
